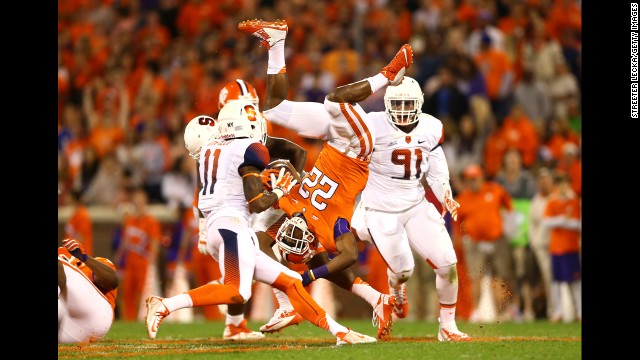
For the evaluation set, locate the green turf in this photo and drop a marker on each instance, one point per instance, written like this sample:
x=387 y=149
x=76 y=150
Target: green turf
x=411 y=340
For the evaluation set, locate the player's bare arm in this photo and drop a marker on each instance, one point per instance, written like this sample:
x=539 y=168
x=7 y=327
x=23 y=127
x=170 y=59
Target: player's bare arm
x=258 y=199
x=344 y=278
x=351 y=93
x=347 y=253
x=105 y=278
x=280 y=148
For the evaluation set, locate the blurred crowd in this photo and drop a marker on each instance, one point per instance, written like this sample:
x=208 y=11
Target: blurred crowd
x=504 y=76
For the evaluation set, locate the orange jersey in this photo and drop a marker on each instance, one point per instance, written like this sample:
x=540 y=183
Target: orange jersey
x=328 y=192
x=138 y=232
x=80 y=227
x=563 y=241
x=479 y=214
x=64 y=254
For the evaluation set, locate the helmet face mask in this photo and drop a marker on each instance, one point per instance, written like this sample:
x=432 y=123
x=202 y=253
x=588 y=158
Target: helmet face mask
x=403 y=102
x=295 y=242
x=199 y=131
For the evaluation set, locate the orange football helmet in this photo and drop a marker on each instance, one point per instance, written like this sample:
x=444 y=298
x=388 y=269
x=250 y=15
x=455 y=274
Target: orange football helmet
x=238 y=89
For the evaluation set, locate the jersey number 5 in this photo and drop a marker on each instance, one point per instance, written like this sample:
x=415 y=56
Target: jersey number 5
x=318 y=195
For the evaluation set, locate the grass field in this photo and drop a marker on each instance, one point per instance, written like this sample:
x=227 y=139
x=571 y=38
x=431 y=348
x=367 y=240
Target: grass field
x=411 y=340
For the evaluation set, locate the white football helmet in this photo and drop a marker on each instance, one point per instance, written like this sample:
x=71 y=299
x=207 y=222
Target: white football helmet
x=200 y=130
x=241 y=118
x=403 y=102
x=295 y=242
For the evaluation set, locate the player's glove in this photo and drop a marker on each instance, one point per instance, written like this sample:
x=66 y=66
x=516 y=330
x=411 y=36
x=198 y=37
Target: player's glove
x=450 y=205
x=76 y=249
x=283 y=183
x=202 y=236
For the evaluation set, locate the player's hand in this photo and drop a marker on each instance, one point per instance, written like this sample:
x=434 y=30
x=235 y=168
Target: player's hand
x=450 y=205
x=202 y=236
x=283 y=183
x=76 y=249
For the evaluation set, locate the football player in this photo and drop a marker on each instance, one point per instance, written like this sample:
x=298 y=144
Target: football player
x=229 y=170
x=87 y=290
x=279 y=148
x=405 y=152
x=406 y=159
x=327 y=194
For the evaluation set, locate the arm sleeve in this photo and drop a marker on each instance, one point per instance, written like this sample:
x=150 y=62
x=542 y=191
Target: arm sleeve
x=256 y=155
x=309 y=119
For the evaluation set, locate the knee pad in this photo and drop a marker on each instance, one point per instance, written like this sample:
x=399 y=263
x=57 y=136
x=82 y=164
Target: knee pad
x=400 y=276
x=449 y=272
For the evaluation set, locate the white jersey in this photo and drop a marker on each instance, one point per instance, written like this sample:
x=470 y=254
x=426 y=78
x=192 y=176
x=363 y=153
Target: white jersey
x=399 y=161
x=346 y=127
x=222 y=192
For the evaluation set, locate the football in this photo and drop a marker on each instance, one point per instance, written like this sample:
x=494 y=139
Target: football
x=274 y=168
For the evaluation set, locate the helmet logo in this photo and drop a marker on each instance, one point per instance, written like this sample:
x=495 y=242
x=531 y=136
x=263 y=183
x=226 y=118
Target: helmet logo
x=205 y=120
x=252 y=115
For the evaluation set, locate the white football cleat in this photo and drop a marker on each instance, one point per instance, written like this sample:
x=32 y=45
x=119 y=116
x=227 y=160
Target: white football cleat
x=241 y=332
x=280 y=320
x=269 y=32
x=351 y=337
x=156 y=312
x=401 y=308
x=382 y=316
x=450 y=332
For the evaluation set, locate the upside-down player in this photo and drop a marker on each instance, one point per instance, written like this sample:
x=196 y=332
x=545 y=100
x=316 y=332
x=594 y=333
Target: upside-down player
x=87 y=289
x=229 y=169
x=327 y=194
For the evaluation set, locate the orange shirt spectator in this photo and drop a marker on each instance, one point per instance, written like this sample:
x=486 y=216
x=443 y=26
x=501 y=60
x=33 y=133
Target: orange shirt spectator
x=563 y=206
x=343 y=62
x=138 y=248
x=564 y=14
x=194 y=18
x=79 y=226
x=495 y=67
x=479 y=215
x=494 y=148
x=571 y=164
x=561 y=134
x=519 y=133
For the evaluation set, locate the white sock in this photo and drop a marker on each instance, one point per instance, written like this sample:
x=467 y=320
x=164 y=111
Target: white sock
x=365 y=291
x=234 y=319
x=447 y=314
x=178 y=302
x=334 y=327
x=376 y=82
x=576 y=291
x=275 y=62
x=283 y=300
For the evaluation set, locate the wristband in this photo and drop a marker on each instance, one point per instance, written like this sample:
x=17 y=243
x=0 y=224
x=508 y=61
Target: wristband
x=319 y=272
x=279 y=193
